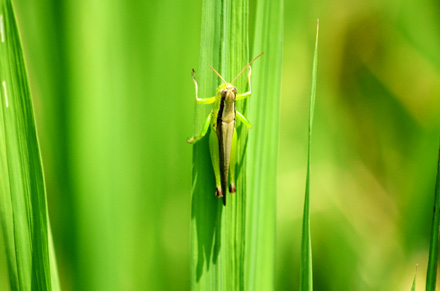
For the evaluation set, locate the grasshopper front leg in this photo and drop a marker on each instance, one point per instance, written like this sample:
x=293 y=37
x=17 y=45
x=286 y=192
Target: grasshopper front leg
x=205 y=127
x=201 y=100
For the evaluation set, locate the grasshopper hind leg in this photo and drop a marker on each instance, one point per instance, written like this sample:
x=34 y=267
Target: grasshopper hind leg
x=215 y=156
x=232 y=163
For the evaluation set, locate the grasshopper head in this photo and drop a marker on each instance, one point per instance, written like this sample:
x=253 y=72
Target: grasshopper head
x=228 y=92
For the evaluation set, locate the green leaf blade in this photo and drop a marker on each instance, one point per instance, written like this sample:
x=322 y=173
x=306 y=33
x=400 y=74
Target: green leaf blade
x=306 y=269
x=263 y=146
x=23 y=206
x=218 y=232
x=237 y=242
x=431 y=275
x=413 y=287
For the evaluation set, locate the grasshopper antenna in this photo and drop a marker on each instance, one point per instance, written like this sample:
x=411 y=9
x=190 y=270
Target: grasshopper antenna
x=217 y=74
x=247 y=66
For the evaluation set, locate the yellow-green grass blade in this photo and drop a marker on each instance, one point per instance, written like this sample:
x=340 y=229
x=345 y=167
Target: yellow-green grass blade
x=431 y=275
x=306 y=271
x=24 y=216
x=263 y=146
x=218 y=232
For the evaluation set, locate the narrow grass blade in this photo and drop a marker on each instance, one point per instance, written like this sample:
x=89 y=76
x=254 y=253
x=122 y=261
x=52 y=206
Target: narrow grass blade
x=413 y=288
x=306 y=276
x=263 y=146
x=431 y=275
x=217 y=232
x=24 y=217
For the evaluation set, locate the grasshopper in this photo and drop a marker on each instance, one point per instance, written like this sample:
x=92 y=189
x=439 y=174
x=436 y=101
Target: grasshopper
x=223 y=135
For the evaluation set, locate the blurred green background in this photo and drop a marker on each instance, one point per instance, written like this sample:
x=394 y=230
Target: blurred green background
x=114 y=104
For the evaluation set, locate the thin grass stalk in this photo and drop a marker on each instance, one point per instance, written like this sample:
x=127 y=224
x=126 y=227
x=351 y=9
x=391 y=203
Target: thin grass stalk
x=306 y=270
x=431 y=274
x=413 y=286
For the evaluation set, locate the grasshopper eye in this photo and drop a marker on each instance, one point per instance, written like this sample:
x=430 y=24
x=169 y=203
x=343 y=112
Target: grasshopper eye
x=234 y=90
x=223 y=91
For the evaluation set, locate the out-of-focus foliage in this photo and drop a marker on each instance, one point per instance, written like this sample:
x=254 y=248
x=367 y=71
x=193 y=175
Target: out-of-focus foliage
x=375 y=142
x=114 y=104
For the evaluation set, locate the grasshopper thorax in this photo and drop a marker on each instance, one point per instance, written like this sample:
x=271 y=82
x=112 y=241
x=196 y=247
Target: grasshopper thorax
x=227 y=92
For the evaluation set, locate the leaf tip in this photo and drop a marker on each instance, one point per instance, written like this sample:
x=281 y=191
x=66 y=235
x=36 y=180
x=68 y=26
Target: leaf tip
x=317 y=27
